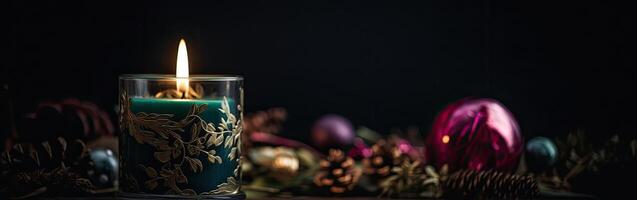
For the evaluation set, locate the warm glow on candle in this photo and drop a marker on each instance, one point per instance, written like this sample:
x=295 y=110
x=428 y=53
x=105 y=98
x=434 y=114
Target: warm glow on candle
x=182 y=68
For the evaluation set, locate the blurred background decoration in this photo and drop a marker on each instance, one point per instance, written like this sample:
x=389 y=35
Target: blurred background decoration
x=64 y=148
x=390 y=165
x=68 y=148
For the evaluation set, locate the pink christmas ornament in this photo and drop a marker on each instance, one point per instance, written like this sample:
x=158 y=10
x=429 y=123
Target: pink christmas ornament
x=478 y=134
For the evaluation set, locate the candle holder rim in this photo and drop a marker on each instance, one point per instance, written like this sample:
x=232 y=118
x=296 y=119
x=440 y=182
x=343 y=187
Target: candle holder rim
x=197 y=77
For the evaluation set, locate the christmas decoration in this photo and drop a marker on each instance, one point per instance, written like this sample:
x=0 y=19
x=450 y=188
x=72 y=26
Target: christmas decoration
x=48 y=155
x=274 y=140
x=332 y=131
x=405 y=177
x=269 y=121
x=432 y=179
x=474 y=158
x=387 y=154
x=541 y=153
x=262 y=122
x=403 y=149
x=574 y=155
x=471 y=184
x=285 y=166
x=359 y=149
x=390 y=167
x=477 y=134
x=105 y=167
x=270 y=170
x=393 y=167
x=282 y=163
x=382 y=160
x=582 y=164
x=337 y=174
x=54 y=167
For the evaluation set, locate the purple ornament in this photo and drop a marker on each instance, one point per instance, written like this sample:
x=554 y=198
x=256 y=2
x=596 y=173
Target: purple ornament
x=478 y=134
x=332 y=131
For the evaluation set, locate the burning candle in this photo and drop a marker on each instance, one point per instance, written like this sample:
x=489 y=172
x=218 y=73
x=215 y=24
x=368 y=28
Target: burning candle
x=180 y=134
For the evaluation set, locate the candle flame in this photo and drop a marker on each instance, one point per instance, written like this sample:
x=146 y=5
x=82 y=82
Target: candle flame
x=182 y=68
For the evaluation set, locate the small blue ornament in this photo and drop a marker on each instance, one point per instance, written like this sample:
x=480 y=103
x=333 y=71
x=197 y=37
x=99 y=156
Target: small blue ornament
x=106 y=167
x=541 y=153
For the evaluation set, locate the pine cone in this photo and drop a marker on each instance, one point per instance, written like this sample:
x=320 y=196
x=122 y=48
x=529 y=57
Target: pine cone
x=337 y=173
x=385 y=156
x=52 y=166
x=379 y=164
x=470 y=184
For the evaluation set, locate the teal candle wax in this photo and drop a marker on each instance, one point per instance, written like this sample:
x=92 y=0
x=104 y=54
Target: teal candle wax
x=202 y=179
x=180 y=107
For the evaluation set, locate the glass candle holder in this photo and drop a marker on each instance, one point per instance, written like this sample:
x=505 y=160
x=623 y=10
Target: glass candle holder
x=181 y=137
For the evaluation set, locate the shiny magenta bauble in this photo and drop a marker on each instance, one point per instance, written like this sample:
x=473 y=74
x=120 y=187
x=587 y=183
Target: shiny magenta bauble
x=478 y=134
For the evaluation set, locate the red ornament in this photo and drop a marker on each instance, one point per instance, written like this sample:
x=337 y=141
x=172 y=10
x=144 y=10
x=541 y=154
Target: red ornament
x=477 y=134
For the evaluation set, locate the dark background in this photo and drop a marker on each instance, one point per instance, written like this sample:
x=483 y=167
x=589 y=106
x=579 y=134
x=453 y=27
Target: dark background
x=556 y=65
